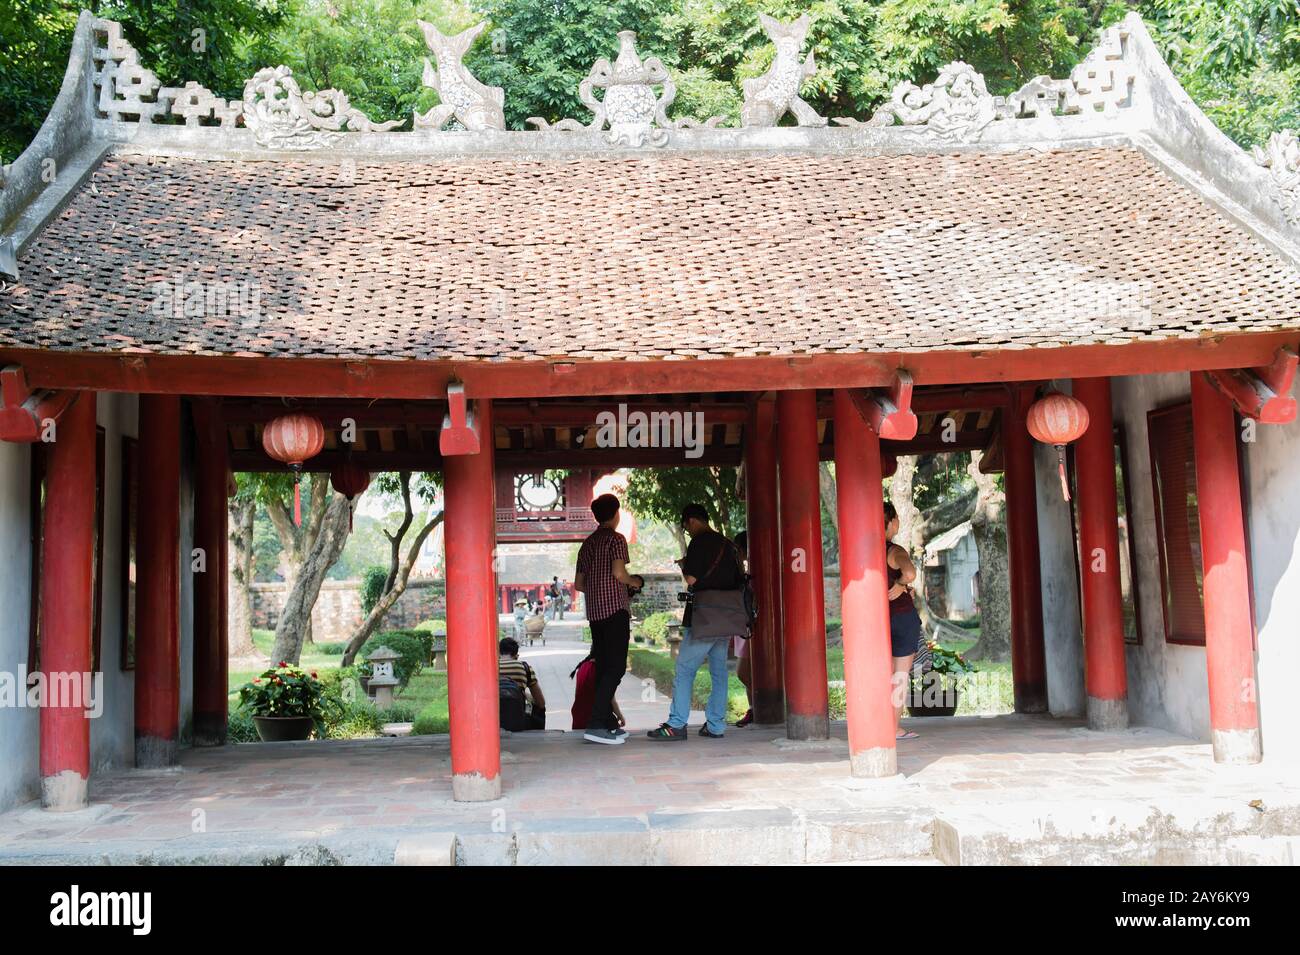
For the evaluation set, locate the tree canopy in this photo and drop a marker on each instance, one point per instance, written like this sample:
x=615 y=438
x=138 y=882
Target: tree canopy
x=1238 y=59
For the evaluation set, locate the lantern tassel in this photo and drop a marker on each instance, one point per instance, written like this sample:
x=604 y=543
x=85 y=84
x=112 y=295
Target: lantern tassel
x=297 y=504
x=1065 y=484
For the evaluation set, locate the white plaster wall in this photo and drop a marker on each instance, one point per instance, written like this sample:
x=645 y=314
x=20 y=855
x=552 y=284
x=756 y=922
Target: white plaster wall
x=112 y=733
x=1167 y=684
x=19 y=779
x=1062 y=629
x=1272 y=463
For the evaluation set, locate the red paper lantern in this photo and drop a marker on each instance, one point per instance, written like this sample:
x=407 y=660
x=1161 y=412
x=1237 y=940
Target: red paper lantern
x=1058 y=419
x=292 y=439
x=350 y=479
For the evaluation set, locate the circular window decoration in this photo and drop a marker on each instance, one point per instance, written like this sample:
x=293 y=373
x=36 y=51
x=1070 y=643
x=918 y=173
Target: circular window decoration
x=537 y=492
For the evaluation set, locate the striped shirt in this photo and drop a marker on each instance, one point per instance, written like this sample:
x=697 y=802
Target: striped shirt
x=517 y=670
x=605 y=595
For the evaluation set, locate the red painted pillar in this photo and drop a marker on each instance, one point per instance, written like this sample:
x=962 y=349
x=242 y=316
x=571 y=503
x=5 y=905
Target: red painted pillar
x=763 y=531
x=864 y=605
x=1028 y=657
x=67 y=606
x=472 y=702
x=803 y=612
x=1101 y=593
x=158 y=560
x=211 y=639
x=1229 y=629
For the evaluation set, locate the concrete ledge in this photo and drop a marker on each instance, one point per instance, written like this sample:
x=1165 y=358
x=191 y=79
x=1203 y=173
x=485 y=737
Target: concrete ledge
x=430 y=849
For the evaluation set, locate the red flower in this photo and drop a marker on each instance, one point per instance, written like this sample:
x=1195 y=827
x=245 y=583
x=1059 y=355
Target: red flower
x=313 y=674
x=256 y=680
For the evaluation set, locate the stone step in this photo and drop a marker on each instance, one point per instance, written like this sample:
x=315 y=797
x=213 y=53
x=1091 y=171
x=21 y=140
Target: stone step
x=1178 y=831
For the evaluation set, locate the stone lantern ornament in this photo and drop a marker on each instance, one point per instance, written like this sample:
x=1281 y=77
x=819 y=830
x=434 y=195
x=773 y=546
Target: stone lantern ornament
x=383 y=679
x=1058 y=419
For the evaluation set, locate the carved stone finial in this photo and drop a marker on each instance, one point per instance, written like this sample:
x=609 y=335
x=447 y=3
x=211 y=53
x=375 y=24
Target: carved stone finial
x=1281 y=157
x=775 y=93
x=957 y=105
x=636 y=114
x=281 y=116
x=464 y=98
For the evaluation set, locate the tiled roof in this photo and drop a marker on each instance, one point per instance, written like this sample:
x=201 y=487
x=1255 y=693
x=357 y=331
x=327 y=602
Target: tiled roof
x=667 y=255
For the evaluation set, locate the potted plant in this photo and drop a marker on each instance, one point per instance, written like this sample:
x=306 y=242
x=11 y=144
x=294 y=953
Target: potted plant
x=286 y=703
x=935 y=692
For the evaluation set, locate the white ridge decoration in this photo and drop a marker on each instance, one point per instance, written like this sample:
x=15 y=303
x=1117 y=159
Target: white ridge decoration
x=281 y=116
x=775 y=93
x=464 y=99
x=1281 y=157
x=957 y=105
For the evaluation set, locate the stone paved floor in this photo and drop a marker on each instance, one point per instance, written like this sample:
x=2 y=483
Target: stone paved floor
x=1011 y=773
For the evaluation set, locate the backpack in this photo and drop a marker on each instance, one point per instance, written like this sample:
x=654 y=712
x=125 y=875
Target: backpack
x=584 y=692
x=513 y=715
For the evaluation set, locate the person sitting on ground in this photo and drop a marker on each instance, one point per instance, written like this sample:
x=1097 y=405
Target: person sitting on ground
x=711 y=563
x=905 y=628
x=518 y=685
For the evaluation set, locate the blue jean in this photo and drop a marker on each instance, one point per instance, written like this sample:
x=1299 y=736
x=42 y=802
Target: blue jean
x=690 y=655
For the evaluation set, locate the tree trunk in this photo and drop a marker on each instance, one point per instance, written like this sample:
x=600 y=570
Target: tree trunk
x=989 y=525
x=386 y=602
x=327 y=545
x=909 y=531
x=240 y=578
x=296 y=541
x=830 y=528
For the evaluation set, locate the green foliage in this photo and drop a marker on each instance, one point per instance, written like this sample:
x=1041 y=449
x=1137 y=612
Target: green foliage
x=661 y=493
x=654 y=628
x=414 y=648
x=288 y=690
x=431 y=720
x=330 y=649
x=240 y=727
x=373 y=580
x=436 y=626
x=660 y=668
x=35 y=38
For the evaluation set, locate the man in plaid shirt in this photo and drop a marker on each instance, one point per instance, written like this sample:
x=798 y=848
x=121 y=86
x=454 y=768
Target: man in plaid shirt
x=602 y=576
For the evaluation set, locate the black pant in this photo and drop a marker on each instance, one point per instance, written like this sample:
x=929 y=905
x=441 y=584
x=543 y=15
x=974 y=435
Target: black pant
x=609 y=640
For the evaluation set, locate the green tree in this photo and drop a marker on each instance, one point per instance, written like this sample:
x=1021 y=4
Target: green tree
x=660 y=494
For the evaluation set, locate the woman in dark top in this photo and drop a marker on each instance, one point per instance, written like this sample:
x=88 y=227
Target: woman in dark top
x=904 y=621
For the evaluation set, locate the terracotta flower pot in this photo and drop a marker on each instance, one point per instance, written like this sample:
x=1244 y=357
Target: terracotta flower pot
x=283 y=729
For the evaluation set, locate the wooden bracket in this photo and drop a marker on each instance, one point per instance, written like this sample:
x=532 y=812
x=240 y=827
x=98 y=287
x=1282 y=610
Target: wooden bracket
x=23 y=412
x=888 y=412
x=1262 y=393
x=459 y=433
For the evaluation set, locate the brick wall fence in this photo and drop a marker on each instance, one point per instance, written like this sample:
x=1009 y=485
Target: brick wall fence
x=661 y=592
x=338 y=610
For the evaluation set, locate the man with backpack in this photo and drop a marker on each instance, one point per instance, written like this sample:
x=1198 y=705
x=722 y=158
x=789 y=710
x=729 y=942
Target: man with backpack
x=516 y=681
x=715 y=614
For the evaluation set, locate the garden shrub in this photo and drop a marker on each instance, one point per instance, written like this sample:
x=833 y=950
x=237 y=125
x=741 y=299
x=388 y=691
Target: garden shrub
x=372 y=587
x=240 y=727
x=436 y=626
x=330 y=649
x=414 y=647
x=655 y=627
x=660 y=667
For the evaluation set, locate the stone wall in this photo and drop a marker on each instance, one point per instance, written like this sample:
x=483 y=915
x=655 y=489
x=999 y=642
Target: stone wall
x=661 y=592
x=338 y=610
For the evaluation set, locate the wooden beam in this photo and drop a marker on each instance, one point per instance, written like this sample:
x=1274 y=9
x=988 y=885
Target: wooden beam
x=1262 y=393
x=459 y=433
x=338 y=378
x=888 y=412
x=23 y=412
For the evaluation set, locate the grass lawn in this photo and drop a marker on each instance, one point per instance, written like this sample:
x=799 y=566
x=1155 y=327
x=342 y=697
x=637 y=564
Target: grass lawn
x=424 y=698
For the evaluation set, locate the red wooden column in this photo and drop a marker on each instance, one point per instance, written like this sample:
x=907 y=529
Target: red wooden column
x=764 y=535
x=67 y=604
x=211 y=639
x=472 y=702
x=158 y=565
x=865 y=602
x=1102 y=596
x=1028 y=657
x=1229 y=629
x=803 y=612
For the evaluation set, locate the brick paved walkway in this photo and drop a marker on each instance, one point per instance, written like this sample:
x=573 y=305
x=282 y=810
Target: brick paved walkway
x=975 y=789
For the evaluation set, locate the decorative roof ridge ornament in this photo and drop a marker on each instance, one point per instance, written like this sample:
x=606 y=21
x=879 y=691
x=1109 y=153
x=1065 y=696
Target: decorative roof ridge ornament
x=636 y=115
x=957 y=105
x=127 y=89
x=776 y=92
x=281 y=116
x=463 y=98
x=1281 y=157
